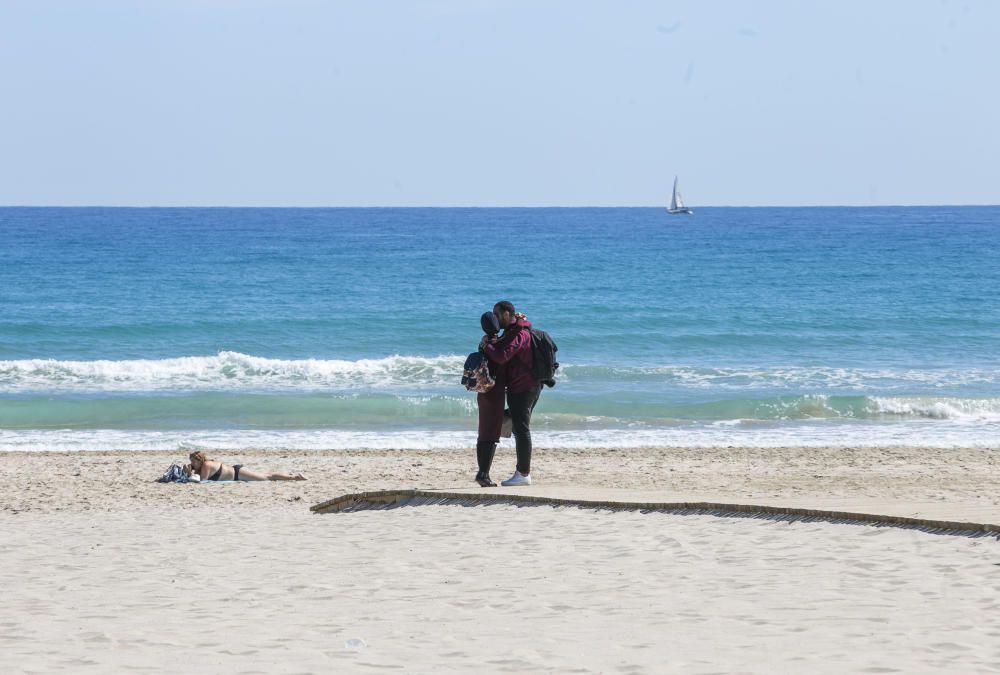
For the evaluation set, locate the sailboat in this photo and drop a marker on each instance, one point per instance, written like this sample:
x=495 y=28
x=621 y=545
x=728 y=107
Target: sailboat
x=676 y=204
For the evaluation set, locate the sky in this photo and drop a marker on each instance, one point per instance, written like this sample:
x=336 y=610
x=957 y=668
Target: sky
x=489 y=103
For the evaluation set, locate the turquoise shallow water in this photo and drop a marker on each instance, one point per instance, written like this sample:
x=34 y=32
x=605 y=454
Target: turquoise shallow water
x=163 y=328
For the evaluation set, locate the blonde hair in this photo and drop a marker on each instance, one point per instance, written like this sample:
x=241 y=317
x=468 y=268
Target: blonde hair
x=199 y=455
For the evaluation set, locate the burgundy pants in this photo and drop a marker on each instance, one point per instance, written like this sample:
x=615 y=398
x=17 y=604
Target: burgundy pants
x=491 y=406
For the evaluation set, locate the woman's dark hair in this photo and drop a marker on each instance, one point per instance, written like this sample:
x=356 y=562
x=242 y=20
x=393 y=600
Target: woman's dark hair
x=505 y=306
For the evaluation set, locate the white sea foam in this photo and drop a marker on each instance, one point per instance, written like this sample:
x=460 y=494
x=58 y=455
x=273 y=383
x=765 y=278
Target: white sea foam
x=233 y=371
x=226 y=371
x=802 y=378
x=745 y=433
x=962 y=409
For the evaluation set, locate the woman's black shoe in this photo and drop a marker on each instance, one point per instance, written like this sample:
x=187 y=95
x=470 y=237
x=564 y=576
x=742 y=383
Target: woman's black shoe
x=484 y=480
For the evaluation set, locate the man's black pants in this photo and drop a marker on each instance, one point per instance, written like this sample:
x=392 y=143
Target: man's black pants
x=521 y=406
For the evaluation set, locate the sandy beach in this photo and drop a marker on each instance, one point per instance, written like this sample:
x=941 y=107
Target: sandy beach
x=104 y=570
x=82 y=481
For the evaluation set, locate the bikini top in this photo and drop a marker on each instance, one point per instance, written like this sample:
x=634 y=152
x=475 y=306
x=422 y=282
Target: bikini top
x=218 y=472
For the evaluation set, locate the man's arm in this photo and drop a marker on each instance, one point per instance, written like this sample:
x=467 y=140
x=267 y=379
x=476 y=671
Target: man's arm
x=505 y=351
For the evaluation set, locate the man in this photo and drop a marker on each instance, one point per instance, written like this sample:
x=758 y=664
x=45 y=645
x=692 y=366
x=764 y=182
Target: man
x=513 y=351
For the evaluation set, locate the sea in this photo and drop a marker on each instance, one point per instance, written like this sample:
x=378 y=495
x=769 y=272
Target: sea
x=330 y=328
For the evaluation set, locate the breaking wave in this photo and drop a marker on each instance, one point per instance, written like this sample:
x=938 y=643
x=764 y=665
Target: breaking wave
x=226 y=371
x=233 y=371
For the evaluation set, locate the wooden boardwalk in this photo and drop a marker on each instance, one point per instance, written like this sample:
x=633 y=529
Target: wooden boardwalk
x=938 y=517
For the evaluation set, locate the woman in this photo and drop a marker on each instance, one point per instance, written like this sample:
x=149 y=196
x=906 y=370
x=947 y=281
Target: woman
x=210 y=469
x=491 y=404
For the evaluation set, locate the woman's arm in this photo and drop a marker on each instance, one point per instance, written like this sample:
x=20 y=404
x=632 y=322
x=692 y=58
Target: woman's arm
x=207 y=468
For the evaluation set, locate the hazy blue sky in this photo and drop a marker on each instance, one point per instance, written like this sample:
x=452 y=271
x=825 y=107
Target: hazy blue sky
x=464 y=102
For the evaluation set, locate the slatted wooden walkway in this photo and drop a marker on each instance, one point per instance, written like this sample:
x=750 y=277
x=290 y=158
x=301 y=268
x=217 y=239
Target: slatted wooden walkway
x=935 y=517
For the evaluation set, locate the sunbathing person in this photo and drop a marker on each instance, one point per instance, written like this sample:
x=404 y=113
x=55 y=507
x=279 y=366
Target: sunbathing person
x=210 y=469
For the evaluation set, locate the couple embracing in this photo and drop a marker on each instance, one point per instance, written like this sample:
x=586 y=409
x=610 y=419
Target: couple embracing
x=509 y=357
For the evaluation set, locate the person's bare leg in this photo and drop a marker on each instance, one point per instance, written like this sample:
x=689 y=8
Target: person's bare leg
x=247 y=474
x=285 y=476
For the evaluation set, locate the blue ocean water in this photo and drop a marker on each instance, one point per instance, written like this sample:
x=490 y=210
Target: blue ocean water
x=327 y=328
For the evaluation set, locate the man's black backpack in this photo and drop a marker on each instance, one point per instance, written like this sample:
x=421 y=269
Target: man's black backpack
x=543 y=355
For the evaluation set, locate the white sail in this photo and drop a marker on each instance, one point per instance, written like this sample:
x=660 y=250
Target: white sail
x=676 y=203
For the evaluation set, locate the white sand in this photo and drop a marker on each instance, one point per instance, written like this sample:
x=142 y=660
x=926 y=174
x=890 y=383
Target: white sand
x=451 y=588
x=107 y=574
x=84 y=480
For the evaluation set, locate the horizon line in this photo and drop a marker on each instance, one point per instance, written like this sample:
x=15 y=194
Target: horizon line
x=466 y=206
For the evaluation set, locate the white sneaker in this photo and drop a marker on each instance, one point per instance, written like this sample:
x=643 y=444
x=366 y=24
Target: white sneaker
x=516 y=479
